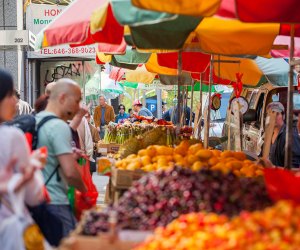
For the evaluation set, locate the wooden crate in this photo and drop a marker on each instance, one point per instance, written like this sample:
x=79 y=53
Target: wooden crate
x=123 y=179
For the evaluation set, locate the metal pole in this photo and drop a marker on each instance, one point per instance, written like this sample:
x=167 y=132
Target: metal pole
x=192 y=100
x=100 y=87
x=200 y=110
x=289 y=125
x=144 y=98
x=184 y=104
x=159 y=101
x=206 y=135
x=20 y=53
x=83 y=83
x=179 y=97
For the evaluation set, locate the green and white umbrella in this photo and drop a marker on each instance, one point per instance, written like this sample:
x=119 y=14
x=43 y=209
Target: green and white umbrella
x=98 y=84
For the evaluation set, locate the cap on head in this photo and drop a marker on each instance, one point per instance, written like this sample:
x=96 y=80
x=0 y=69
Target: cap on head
x=276 y=106
x=137 y=102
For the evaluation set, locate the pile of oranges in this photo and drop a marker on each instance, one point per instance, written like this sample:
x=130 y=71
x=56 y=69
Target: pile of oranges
x=275 y=227
x=194 y=157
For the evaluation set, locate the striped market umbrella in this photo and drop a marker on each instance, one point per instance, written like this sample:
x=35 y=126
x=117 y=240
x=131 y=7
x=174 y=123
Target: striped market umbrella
x=82 y=23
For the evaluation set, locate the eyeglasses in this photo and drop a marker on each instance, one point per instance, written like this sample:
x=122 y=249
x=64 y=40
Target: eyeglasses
x=122 y=108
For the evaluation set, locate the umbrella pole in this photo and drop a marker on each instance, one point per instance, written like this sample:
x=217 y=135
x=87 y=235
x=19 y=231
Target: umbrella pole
x=192 y=101
x=100 y=82
x=184 y=102
x=179 y=97
x=207 y=124
x=200 y=110
x=83 y=64
x=289 y=125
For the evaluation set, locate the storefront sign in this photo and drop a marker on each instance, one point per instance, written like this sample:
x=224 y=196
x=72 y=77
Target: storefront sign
x=38 y=16
x=155 y=85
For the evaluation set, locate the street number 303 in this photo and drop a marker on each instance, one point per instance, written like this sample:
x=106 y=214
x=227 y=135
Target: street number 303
x=18 y=40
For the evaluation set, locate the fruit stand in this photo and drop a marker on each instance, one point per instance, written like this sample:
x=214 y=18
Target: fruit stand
x=208 y=207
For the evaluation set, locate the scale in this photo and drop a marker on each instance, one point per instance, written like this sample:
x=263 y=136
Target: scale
x=242 y=102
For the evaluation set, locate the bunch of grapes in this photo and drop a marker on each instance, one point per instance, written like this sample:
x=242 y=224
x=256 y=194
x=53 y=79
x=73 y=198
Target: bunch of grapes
x=162 y=196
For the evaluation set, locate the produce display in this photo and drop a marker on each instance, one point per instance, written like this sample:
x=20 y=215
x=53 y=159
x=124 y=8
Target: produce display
x=162 y=196
x=160 y=135
x=188 y=156
x=120 y=132
x=275 y=227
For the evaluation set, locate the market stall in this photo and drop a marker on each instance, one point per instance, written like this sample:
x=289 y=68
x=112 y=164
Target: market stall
x=164 y=182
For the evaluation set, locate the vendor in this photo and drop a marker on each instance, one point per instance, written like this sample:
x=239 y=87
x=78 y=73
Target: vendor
x=122 y=114
x=277 y=151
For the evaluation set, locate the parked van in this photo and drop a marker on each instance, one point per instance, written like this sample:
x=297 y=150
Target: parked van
x=254 y=119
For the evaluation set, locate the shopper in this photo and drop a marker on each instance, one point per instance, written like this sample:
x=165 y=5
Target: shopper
x=15 y=160
x=172 y=115
x=64 y=103
x=130 y=112
x=95 y=138
x=23 y=108
x=103 y=115
x=140 y=110
x=122 y=114
x=277 y=151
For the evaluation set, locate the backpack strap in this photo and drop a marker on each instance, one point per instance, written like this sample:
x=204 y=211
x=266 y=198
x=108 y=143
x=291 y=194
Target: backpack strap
x=44 y=120
x=52 y=174
x=39 y=125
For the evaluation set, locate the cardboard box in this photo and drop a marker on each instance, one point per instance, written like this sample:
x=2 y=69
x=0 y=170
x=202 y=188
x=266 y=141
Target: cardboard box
x=122 y=179
x=126 y=240
x=114 y=148
x=105 y=149
x=95 y=243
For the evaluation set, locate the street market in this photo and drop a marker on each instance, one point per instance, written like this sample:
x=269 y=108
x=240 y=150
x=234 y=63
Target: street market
x=150 y=125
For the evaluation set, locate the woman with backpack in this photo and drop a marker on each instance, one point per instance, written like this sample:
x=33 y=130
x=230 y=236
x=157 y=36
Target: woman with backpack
x=18 y=170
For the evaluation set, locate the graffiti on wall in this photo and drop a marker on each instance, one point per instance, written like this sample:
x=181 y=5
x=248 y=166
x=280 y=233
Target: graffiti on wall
x=62 y=71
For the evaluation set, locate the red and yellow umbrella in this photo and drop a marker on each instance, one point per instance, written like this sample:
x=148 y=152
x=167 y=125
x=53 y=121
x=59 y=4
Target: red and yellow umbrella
x=268 y=11
x=76 y=25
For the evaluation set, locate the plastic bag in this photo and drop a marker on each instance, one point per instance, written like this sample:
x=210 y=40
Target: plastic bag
x=282 y=184
x=18 y=230
x=83 y=201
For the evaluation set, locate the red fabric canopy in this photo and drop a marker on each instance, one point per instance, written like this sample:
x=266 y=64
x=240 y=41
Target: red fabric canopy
x=112 y=48
x=205 y=78
x=278 y=11
x=191 y=61
x=73 y=26
x=285 y=30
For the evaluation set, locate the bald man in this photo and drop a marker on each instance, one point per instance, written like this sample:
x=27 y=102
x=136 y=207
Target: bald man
x=61 y=169
x=49 y=87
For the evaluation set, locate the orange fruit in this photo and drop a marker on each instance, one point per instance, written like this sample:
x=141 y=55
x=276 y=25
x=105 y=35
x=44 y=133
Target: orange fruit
x=213 y=161
x=204 y=154
x=194 y=148
x=226 y=154
x=239 y=155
